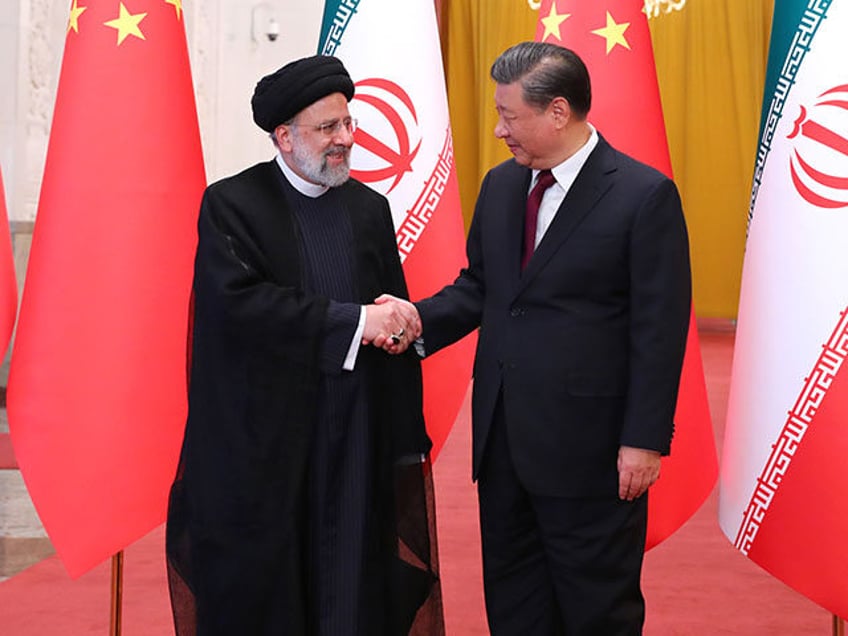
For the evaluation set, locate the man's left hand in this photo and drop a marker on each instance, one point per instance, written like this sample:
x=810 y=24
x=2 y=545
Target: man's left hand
x=638 y=469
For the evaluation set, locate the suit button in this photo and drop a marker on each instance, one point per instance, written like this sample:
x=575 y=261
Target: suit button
x=515 y=312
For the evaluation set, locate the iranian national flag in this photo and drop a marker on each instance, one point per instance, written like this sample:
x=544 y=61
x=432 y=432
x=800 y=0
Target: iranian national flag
x=784 y=487
x=404 y=150
x=612 y=38
x=97 y=384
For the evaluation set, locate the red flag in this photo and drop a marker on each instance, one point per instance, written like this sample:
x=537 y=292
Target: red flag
x=8 y=282
x=97 y=394
x=612 y=38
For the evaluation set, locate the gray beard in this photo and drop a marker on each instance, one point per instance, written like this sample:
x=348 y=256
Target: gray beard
x=316 y=169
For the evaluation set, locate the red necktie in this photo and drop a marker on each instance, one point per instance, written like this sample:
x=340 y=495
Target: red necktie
x=531 y=216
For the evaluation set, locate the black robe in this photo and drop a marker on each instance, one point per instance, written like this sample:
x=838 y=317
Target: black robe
x=237 y=541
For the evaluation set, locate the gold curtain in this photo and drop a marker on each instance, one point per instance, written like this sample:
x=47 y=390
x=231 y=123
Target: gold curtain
x=711 y=59
x=474 y=33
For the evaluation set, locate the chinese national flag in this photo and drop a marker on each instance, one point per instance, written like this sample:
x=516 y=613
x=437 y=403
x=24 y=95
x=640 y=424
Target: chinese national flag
x=612 y=38
x=97 y=387
x=8 y=282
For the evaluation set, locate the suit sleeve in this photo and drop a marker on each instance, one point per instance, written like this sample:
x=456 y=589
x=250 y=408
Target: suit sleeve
x=457 y=309
x=403 y=395
x=660 y=306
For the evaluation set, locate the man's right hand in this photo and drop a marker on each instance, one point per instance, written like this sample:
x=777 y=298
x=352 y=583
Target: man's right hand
x=391 y=323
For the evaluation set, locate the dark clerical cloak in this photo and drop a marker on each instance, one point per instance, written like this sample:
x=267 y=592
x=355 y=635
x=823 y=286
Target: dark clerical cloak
x=285 y=454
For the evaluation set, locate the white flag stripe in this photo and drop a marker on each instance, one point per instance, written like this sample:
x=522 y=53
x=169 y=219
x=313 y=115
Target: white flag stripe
x=403 y=149
x=404 y=31
x=795 y=427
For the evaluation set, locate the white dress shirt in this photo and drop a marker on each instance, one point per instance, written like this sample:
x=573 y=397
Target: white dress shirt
x=565 y=174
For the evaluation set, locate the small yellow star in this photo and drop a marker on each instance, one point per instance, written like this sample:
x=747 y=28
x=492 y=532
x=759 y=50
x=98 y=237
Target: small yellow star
x=127 y=24
x=178 y=5
x=613 y=33
x=552 y=23
x=73 y=21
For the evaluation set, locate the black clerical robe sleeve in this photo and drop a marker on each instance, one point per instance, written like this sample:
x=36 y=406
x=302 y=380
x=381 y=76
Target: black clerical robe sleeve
x=340 y=327
x=241 y=256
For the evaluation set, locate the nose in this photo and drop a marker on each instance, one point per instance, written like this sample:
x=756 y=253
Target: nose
x=343 y=136
x=500 y=129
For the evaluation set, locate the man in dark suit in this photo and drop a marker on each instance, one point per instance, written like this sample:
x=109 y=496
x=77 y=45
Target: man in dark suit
x=578 y=359
x=301 y=503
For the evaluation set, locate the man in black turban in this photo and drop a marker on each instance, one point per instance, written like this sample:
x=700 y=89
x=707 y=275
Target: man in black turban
x=304 y=448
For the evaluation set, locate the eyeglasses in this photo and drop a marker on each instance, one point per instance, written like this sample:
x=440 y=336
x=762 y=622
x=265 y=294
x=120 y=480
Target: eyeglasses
x=331 y=128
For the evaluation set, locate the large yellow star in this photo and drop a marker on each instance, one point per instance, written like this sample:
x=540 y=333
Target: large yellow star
x=178 y=5
x=73 y=21
x=552 y=23
x=613 y=33
x=127 y=24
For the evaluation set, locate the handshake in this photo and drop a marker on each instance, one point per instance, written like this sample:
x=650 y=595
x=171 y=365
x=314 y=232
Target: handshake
x=391 y=324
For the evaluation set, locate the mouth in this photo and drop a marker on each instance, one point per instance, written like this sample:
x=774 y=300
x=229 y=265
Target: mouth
x=337 y=155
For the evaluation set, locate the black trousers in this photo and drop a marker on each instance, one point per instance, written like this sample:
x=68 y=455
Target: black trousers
x=557 y=565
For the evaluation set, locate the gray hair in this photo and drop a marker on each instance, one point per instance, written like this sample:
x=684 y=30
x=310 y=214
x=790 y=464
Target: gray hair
x=546 y=71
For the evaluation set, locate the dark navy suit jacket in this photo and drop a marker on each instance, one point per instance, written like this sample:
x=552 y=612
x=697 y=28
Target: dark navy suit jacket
x=586 y=345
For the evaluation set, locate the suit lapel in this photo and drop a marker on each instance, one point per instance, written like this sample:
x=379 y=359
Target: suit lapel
x=515 y=222
x=594 y=179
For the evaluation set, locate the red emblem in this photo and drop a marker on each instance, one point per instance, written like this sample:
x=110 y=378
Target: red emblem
x=821 y=174
x=385 y=133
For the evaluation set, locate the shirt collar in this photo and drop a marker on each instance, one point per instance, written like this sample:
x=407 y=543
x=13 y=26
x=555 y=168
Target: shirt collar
x=311 y=190
x=567 y=171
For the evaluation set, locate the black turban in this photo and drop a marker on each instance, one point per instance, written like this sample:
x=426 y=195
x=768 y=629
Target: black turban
x=284 y=93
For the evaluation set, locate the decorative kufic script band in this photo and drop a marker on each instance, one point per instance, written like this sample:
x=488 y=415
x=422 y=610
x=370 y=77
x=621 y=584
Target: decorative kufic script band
x=807 y=27
x=800 y=417
x=334 y=37
x=431 y=194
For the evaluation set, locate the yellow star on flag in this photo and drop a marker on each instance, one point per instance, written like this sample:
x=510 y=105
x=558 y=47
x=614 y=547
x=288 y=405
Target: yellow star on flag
x=73 y=21
x=552 y=23
x=178 y=5
x=127 y=24
x=613 y=33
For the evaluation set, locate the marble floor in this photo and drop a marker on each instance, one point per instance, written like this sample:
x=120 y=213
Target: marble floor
x=23 y=541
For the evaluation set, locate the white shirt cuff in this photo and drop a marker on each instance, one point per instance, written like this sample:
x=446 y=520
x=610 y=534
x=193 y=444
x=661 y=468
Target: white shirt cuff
x=350 y=359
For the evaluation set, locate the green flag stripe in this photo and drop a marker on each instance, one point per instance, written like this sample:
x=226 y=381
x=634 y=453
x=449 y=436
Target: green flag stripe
x=794 y=26
x=337 y=16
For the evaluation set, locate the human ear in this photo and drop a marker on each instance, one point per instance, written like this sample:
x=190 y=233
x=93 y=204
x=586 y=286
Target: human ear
x=283 y=135
x=561 y=110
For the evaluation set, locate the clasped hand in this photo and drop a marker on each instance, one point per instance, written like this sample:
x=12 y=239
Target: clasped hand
x=391 y=323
